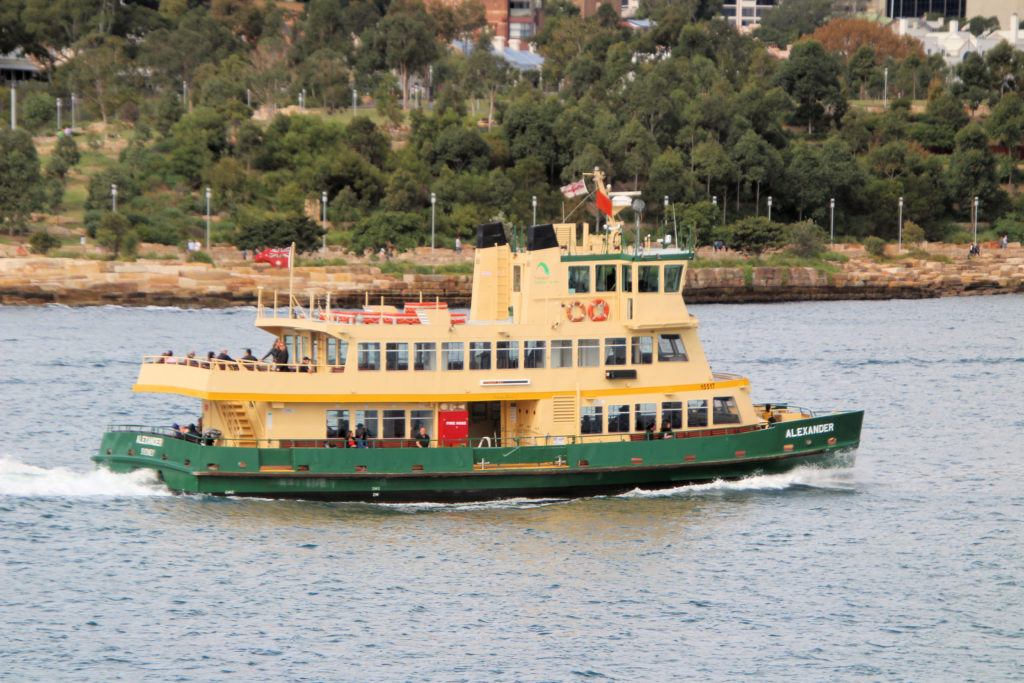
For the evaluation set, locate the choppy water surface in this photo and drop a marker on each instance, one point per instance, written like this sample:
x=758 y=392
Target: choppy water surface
x=907 y=567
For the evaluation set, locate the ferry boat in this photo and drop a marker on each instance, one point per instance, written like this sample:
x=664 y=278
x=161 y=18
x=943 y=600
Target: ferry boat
x=577 y=372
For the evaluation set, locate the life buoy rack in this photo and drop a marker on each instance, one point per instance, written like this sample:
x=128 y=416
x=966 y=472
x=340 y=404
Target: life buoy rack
x=598 y=310
x=576 y=311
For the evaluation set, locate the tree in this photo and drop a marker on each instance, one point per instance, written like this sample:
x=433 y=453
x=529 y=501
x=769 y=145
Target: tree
x=408 y=40
x=972 y=171
x=634 y=149
x=258 y=233
x=811 y=77
x=116 y=235
x=787 y=21
x=757 y=162
x=752 y=235
x=1006 y=125
x=845 y=36
x=805 y=239
x=22 y=185
x=99 y=73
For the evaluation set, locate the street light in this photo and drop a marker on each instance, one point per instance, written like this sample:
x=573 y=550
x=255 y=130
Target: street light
x=534 y=209
x=323 y=218
x=664 y=223
x=885 y=90
x=899 y=245
x=58 y=114
x=832 y=223
x=769 y=208
x=975 y=220
x=433 y=208
x=113 y=197
x=208 y=220
x=638 y=208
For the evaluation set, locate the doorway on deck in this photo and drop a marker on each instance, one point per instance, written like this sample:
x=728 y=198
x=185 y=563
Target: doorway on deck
x=485 y=420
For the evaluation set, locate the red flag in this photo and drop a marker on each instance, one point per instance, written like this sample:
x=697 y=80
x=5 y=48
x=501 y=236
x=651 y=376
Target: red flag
x=604 y=203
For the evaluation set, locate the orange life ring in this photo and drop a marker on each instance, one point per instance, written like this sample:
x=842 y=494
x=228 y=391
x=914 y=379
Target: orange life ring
x=576 y=311
x=598 y=310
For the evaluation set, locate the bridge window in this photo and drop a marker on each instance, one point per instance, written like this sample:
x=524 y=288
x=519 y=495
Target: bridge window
x=424 y=356
x=397 y=356
x=588 y=353
x=672 y=412
x=627 y=278
x=604 y=278
x=618 y=418
x=697 y=412
x=533 y=354
x=642 y=350
x=673 y=278
x=479 y=355
x=615 y=351
x=517 y=278
x=648 y=279
x=671 y=349
x=369 y=355
x=508 y=355
x=579 y=279
x=561 y=353
x=454 y=355
x=591 y=420
x=645 y=415
x=725 y=410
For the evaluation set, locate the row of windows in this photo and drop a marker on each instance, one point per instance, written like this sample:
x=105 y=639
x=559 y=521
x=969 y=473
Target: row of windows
x=384 y=424
x=619 y=277
x=723 y=411
x=511 y=355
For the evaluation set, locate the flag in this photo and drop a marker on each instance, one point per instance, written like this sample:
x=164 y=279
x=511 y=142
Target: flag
x=574 y=189
x=604 y=204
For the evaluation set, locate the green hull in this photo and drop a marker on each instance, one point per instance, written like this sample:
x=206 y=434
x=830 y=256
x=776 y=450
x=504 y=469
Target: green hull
x=456 y=473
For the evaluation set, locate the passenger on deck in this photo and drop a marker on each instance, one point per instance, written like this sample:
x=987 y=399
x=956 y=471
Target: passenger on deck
x=422 y=439
x=248 y=360
x=666 y=429
x=278 y=354
x=193 y=433
x=165 y=357
x=191 y=359
x=649 y=433
x=361 y=436
x=306 y=365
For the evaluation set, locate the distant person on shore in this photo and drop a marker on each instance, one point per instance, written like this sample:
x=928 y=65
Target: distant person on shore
x=458 y=245
x=1004 y=243
x=975 y=250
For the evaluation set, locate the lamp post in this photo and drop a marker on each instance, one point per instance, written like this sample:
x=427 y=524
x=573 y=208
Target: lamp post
x=208 y=193
x=664 y=223
x=433 y=209
x=899 y=245
x=323 y=217
x=74 y=111
x=113 y=197
x=534 y=210
x=355 y=95
x=832 y=223
x=769 y=208
x=885 y=90
x=975 y=220
x=58 y=113
x=638 y=208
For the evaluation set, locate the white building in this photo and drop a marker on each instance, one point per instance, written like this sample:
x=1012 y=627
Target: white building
x=954 y=44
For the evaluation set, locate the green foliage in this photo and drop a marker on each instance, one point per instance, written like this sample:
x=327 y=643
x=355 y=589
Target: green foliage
x=912 y=233
x=22 y=186
x=875 y=246
x=42 y=242
x=200 y=257
x=752 y=236
x=115 y=234
x=399 y=229
x=1012 y=225
x=782 y=24
x=805 y=239
x=275 y=230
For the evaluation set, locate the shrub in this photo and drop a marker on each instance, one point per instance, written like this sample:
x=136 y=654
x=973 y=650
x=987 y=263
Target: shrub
x=806 y=239
x=875 y=246
x=912 y=233
x=200 y=257
x=42 y=242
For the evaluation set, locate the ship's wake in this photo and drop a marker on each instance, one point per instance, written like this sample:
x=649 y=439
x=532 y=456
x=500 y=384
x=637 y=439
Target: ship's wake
x=18 y=479
x=840 y=480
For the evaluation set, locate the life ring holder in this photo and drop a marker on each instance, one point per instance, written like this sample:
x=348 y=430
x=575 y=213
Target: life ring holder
x=598 y=310
x=576 y=311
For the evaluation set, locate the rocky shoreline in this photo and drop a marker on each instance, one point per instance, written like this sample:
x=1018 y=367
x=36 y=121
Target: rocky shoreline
x=28 y=281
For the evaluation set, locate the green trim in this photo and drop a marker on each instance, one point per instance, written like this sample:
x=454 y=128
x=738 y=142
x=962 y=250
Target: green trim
x=683 y=256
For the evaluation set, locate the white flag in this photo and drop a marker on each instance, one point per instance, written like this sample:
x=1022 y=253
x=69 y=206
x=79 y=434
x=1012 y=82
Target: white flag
x=574 y=189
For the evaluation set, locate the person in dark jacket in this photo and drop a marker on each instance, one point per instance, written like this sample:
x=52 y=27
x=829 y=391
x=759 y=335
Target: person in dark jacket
x=278 y=354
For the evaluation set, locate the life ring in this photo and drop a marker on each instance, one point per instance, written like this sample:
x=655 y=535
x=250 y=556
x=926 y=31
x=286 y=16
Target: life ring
x=598 y=310
x=576 y=311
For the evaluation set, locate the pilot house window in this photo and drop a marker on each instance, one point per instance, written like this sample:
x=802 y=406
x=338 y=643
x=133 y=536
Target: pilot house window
x=604 y=278
x=648 y=279
x=725 y=410
x=671 y=349
x=579 y=279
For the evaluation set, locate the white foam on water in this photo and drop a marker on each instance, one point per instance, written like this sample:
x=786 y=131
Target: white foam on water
x=826 y=479
x=19 y=479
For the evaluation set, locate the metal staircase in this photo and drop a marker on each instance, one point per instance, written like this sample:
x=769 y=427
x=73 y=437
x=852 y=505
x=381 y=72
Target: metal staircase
x=235 y=415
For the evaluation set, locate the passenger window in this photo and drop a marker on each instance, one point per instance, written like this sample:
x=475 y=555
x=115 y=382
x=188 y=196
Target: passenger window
x=424 y=356
x=479 y=355
x=454 y=355
x=533 y=354
x=588 y=353
x=642 y=350
x=591 y=420
x=615 y=351
x=393 y=424
x=697 y=412
x=725 y=410
x=579 y=279
x=337 y=424
x=396 y=356
x=644 y=416
x=618 y=418
x=672 y=412
x=508 y=355
x=369 y=355
x=561 y=353
x=671 y=349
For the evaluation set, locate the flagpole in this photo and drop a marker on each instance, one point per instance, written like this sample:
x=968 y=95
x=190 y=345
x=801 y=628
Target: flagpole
x=291 y=276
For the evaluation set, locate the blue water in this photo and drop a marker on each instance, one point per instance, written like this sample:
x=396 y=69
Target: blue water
x=907 y=567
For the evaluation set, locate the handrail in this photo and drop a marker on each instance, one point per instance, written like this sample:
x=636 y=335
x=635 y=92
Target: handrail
x=234 y=365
